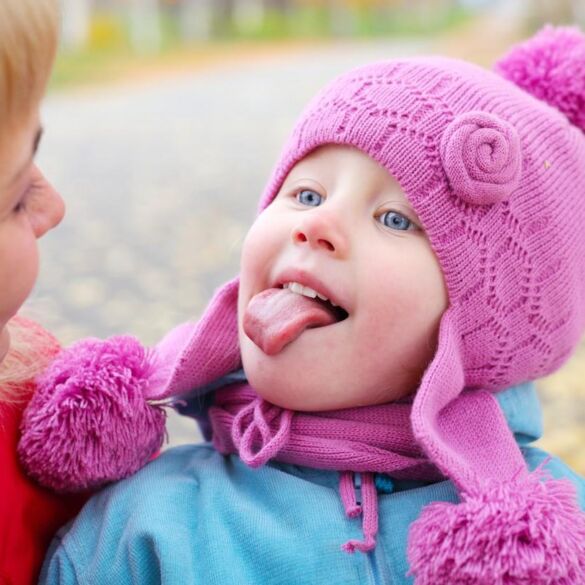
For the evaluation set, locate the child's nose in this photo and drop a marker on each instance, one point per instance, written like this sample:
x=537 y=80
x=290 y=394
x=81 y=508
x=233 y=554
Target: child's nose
x=321 y=231
x=49 y=207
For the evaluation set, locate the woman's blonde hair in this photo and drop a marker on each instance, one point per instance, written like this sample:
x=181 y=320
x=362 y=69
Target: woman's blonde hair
x=31 y=350
x=28 y=43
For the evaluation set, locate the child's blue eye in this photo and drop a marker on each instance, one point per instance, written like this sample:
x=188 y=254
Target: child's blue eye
x=308 y=197
x=396 y=221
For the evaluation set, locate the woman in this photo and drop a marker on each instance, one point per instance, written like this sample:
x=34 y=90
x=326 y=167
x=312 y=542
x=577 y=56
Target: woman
x=29 y=207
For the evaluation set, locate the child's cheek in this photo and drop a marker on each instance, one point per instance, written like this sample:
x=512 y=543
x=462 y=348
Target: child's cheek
x=253 y=252
x=256 y=261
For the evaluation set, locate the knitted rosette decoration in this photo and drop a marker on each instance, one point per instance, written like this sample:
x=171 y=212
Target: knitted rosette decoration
x=493 y=164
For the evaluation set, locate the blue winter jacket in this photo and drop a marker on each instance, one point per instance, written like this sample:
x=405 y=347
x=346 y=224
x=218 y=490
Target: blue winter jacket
x=193 y=516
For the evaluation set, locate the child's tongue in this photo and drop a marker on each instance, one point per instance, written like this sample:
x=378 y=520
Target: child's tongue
x=277 y=316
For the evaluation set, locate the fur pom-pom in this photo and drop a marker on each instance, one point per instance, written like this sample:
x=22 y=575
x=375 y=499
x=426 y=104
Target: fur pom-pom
x=525 y=532
x=88 y=422
x=551 y=67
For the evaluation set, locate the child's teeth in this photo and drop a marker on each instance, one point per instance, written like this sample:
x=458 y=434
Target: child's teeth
x=304 y=290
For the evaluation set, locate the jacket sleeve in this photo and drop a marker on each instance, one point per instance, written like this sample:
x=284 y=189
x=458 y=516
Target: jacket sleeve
x=58 y=568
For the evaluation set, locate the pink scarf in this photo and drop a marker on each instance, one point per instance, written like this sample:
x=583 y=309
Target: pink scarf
x=367 y=440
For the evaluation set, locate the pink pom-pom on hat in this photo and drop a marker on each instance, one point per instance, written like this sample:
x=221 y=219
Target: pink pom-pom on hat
x=502 y=533
x=551 y=67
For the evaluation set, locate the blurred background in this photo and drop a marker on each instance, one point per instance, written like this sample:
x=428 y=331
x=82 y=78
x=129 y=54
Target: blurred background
x=164 y=119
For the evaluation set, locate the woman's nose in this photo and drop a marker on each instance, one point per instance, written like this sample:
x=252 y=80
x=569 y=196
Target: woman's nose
x=322 y=230
x=48 y=206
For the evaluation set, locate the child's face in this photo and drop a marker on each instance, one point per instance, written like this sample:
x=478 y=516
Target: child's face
x=341 y=225
x=29 y=207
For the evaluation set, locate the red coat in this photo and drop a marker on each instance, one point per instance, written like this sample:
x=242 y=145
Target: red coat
x=29 y=514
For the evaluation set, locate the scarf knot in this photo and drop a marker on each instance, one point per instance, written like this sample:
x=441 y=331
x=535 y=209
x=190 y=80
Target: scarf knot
x=259 y=431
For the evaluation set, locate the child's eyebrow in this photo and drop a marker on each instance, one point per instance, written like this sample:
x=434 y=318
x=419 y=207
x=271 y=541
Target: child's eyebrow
x=302 y=181
x=34 y=149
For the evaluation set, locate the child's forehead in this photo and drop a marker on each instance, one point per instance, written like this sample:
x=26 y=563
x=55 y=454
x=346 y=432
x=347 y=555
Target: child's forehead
x=332 y=164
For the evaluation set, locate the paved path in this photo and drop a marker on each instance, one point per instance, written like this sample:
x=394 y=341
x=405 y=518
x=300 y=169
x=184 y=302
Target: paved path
x=161 y=180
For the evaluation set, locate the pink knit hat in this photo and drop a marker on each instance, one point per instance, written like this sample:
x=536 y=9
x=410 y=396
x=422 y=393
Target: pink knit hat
x=494 y=165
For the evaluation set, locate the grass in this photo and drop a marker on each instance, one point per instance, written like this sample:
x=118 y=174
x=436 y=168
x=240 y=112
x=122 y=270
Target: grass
x=110 y=57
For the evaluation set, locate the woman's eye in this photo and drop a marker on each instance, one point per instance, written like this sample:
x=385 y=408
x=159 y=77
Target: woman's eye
x=308 y=197
x=396 y=221
x=24 y=197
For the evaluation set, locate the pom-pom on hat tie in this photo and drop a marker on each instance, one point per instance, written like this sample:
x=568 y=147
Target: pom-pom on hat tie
x=76 y=408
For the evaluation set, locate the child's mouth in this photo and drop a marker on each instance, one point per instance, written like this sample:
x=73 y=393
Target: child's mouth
x=277 y=316
x=339 y=312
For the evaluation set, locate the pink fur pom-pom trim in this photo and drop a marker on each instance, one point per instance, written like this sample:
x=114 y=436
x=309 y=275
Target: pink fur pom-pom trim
x=551 y=67
x=525 y=532
x=88 y=422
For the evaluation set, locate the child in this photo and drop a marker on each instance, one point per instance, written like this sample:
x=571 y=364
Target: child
x=29 y=207
x=417 y=260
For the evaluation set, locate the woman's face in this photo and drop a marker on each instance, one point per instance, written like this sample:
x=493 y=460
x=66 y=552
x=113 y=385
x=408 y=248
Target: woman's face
x=29 y=207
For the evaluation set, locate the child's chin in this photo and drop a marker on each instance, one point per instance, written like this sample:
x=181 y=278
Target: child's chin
x=289 y=380
x=290 y=393
x=277 y=392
